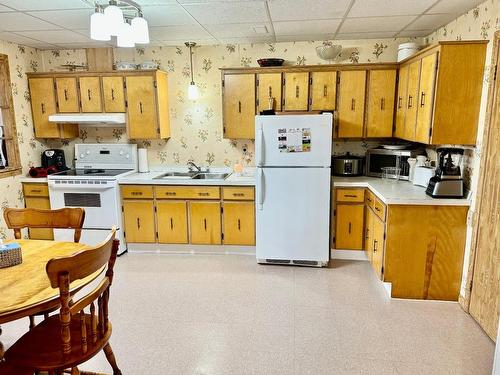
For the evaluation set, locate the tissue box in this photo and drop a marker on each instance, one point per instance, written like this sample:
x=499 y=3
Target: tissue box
x=10 y=255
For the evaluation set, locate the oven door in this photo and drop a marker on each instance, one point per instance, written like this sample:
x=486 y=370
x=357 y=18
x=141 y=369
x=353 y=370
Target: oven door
x=100 y=202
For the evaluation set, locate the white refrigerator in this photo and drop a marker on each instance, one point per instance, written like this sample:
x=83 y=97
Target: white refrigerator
x=293 y=156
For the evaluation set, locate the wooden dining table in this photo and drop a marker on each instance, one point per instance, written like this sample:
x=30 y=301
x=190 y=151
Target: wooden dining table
x=25 y=288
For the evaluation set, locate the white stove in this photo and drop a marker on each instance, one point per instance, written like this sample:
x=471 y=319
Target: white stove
x=93 y=185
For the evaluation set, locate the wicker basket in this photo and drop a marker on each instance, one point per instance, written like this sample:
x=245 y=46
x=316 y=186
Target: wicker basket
x=10 y=255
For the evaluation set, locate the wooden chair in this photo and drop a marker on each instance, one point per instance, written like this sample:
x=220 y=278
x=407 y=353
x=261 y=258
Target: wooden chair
x=64 y=218
x=74 y=336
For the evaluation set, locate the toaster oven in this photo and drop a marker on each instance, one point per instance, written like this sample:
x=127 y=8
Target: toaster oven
x=377 y=158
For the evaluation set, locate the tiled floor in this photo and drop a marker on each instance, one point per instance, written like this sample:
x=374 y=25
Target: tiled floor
x=224 y=314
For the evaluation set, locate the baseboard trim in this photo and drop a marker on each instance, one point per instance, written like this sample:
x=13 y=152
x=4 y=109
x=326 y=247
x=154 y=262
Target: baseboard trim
x=348 y=254
x=156 y=248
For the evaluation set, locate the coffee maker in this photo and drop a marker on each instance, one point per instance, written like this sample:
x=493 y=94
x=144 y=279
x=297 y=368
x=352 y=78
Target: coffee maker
x=448 y=181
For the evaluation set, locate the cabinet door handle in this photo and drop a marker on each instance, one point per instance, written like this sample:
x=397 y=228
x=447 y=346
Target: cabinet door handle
x=239 y=106
x=88 y=94
x=375 y=243
x=382 y=104
x=203 y=194
x=325 y=91
x=369 y=200
x=205 y=223
x=350 y=227
x=171 y=223
x=350 y=195
x=353 y=104
x=377 y=209
x=136 y=193
x=422 y=99
x=112 y=94
x=140 y=106
x=410 y=101
x=367 y=233
x=270 y=92
x=400 y=102
x=65 y=94
x=170 y=193
x=36 y=191
x=138 y=223
x=238 y=194
x=297 y=91
x=43 y=108
x=239 y=225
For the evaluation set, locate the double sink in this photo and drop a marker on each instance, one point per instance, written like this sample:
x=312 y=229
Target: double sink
x=192 y=175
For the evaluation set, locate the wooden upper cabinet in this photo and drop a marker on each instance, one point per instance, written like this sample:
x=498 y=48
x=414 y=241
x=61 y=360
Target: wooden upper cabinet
x=67 y=94
x=113 y=94
x=399 y=125
x=142 y=116
x=43 y=104
x=381 y=91
x=90 y=94
x=269 y=91
x=239 y=223
x=425 y=101
x=296 y=89
x=323 y=91
x=411 y=100
x=351 y=103
x=239 y=106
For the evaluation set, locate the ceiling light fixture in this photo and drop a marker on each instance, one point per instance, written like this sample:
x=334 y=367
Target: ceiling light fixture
x=120 y=18
x=193 y=93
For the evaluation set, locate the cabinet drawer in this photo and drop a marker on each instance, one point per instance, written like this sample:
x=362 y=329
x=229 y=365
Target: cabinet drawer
x=350 y=195
x=187 y=192
x=369 y=199
x=137 y=192
x=379 y=209
x=36 y=190
x=238 y=193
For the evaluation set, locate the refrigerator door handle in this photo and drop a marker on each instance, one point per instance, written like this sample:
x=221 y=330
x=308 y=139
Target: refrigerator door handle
x=261 y=141
x=260 y=190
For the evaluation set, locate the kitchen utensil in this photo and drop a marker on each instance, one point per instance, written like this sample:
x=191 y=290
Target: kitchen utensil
x=347 y=165
x=328 y=52
x=270 y=62
x=389 y=173
x=422 y=175
x=395 y=147
x=448 y=181
x=421 y=159
x=411 y=162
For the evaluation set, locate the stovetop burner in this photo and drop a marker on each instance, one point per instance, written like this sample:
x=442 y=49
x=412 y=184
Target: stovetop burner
x=92 y=172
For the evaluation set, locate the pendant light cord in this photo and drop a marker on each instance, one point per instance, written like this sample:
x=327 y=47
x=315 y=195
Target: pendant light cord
x=191 y=62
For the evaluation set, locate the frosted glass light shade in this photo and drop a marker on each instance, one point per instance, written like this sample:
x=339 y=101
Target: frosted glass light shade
x=125 y=36
x=140 y=30
x=114 y=19
x=193 y=93
x=98 y=27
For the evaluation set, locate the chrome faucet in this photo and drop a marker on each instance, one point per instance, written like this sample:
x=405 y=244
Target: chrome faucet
x=193 y=166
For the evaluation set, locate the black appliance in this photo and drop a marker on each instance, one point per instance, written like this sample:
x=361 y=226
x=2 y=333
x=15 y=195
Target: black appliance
x=347 y=165
x=54 y=158
x=448 y=181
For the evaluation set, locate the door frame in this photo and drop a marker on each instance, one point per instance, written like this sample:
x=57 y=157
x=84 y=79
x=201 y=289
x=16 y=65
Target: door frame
x=466 y=299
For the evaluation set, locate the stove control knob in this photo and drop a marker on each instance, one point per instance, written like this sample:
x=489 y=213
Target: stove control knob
x=82 y=155
x=88 y=152
x=127 y=156
x=121 y=152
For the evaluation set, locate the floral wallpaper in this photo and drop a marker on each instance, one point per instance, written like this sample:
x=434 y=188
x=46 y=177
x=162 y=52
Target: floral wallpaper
x=197 y=126
x=478 y=23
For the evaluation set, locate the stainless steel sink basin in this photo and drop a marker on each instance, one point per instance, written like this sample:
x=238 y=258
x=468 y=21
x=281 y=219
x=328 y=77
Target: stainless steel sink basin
x=177 y=175
x=211 y=176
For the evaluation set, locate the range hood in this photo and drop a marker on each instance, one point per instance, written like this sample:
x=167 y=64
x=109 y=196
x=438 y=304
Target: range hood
x=89 y=119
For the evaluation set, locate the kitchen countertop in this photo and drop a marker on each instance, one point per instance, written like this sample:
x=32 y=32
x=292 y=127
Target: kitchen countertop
x=397 y=192
x=247 y=179
x=40 y=180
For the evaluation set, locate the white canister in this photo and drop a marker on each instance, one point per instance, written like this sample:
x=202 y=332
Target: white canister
x=405 y=50
x=412 y=162
x=142 y=155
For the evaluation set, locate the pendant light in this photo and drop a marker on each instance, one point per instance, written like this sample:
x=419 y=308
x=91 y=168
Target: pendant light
x=140 y=30
x=98 y=27
x=125 y=36
x=114 y=18
x=193 y=93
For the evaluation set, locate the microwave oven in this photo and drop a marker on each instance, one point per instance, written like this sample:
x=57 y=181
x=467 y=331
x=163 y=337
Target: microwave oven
x=377 y=158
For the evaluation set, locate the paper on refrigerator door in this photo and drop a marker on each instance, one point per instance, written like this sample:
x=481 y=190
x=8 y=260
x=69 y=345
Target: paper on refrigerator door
x=294 y=139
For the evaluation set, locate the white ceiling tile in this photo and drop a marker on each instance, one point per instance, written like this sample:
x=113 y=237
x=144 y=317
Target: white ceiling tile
x=15 y=38
x=23 y=22
x=301 y=38
x=180 y=42
x=286 y=10
x=55 y=36
x=92 y=44
x=248 y=40
x=431 y=21
x=183 y=32
x=71 y=19
x=45 y=4
x=454 y=6
x=228 y=12
x=238 y=30
x=371 y=8
x=167 y=15
x=154 y=2
x=306 y=27
x=372 y=35
x=414 y=33
x=375 y=24
x=6 y=9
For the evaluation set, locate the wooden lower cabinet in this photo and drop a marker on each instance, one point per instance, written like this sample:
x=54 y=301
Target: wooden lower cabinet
x=205 y=223
x=377 y=247
x=44 y=204
x=349 y=228
x=239 y=223
x=172 y=221
x=368 y=245
x=139 y=221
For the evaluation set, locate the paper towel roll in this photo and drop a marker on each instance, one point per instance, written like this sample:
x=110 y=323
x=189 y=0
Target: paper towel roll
x=142 y=155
